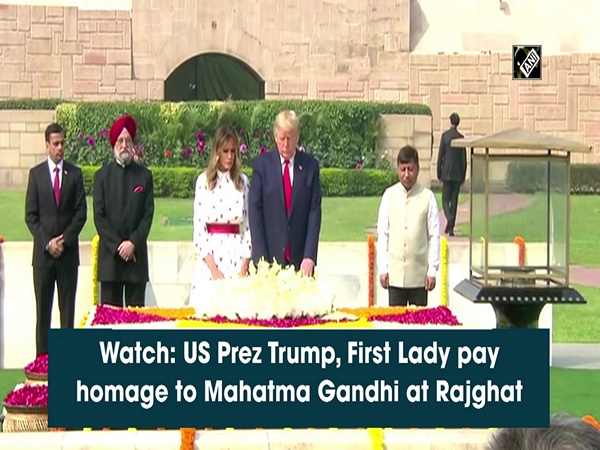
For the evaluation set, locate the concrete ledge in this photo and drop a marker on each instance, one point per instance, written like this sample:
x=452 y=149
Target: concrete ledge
x=248 y=439
x=342 y=265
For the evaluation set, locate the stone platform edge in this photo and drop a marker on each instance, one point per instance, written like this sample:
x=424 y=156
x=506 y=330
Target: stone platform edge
x=436 y=439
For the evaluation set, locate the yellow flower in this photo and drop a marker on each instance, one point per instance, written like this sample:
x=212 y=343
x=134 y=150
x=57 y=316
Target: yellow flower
x=95 y=247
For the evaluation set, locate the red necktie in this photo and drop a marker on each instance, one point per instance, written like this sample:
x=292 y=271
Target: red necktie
x=56 y=186
x=287 y=191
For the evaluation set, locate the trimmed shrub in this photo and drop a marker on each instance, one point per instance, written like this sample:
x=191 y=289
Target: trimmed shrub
x=529 y=177
x=340 y=134
x=179 y=182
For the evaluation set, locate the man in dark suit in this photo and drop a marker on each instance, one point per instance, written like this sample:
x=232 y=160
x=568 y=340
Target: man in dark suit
x=285 y=201
x=123 y=214
x=55 y=213
x=451 y=171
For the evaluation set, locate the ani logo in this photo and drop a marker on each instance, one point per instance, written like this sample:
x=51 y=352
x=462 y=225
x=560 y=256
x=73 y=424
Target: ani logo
x=527 y=62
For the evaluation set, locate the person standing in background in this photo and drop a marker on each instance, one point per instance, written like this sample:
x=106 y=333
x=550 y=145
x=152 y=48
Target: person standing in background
x=55 y=213
x=451 y=172
x=123 y=215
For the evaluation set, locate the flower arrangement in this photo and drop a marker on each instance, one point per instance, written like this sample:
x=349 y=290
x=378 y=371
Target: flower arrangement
x=39 y=366
x=270 y=291
x=355 y=318
x=29 y=396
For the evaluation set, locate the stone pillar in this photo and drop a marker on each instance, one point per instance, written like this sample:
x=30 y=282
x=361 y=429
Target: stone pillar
x=397 y=131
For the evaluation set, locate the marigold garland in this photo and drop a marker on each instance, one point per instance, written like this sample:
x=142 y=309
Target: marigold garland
x=372 y=311
x=444 y=271
x=371 y=245
x=188 y=437
x=521 y=244
x=84 y=320
x=167 y=313
x=95 y=246
x=376 y=436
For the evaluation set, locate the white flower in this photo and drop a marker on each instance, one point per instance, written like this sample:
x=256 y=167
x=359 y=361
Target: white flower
x=268 y=292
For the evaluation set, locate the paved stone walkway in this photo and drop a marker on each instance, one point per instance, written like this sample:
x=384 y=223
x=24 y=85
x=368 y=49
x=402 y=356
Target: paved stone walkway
x=576 y=356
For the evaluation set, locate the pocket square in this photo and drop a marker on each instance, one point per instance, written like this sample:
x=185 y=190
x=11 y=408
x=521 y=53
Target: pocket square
x=138 y=189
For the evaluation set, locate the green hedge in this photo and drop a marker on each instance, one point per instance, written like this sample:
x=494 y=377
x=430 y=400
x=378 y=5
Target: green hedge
x=529 y=177
x=341 y=134
x=31 y=104
x=179 y=182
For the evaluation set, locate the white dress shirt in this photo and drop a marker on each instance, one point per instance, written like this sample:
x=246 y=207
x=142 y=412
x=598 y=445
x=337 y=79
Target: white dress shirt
x=291 y=167
x=52 y=167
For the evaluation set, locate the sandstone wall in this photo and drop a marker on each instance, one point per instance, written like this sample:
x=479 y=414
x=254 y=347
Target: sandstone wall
x=21 y=144
x=355 y=50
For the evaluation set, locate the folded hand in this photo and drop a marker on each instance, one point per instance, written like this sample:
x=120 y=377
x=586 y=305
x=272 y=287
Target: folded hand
x=57 y=246
x=127 y=251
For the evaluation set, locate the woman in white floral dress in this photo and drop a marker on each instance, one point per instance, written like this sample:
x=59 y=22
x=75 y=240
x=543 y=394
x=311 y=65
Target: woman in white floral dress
x=221 y=229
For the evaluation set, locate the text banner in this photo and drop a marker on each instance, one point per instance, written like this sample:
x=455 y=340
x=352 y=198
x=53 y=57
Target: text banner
x=298 y=378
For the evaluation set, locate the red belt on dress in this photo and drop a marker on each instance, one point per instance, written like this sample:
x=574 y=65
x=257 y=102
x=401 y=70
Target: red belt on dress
x=223 y=228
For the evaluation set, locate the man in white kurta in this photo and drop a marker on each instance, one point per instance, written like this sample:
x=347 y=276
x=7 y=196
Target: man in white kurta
x=408 y=236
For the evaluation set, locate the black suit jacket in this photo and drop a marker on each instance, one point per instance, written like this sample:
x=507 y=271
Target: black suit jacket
x=123 y=210
x=46 y=220
x=270 y=227
x=452 y=161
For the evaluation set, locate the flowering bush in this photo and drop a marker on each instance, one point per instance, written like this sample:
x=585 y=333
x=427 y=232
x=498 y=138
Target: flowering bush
x=32 y=396
x=38 y=366
x=338 y=133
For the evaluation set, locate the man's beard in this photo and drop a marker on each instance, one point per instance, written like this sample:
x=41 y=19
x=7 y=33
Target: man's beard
x=124 y=157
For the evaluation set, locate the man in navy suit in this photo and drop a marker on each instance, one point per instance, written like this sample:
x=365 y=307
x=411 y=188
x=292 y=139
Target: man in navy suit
x=285 y=201
x=55 y=213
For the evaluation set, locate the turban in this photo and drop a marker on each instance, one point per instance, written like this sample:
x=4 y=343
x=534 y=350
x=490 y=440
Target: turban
x=124 y=122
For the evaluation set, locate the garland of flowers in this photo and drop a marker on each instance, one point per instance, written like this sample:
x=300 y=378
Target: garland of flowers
x=371 y=245
x=444 y=271
x=84 y=320
x=95 y=246
x=376 y=436
x=167 y=313
x=372 y=311
x=521 y=244
x=188 y=437
x=109 y=315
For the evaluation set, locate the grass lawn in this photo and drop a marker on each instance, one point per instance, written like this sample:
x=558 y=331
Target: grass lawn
x=578 y=323
x=574 y=392
x=571 y=391
x=344 y=219
x=530 y=223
